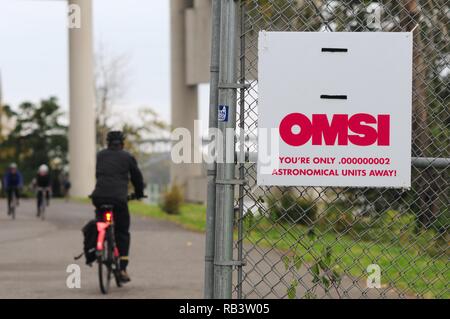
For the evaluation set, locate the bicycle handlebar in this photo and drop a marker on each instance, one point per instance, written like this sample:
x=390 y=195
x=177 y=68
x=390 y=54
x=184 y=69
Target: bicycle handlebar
x=133 y=197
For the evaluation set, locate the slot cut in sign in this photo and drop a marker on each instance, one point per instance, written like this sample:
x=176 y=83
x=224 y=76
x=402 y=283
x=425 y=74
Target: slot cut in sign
x=335 y=109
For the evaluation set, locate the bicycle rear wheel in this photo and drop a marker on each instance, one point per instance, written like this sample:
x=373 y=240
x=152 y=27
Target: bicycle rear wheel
x=117 y=272
x=105 y=261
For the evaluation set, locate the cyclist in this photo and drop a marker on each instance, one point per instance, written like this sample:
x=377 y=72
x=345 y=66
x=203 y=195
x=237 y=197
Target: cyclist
x=115 y=167
x=42 y=183
x=66 y=187
x=12 y=183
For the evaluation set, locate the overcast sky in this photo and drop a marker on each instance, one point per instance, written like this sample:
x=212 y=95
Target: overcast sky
x=34 y=57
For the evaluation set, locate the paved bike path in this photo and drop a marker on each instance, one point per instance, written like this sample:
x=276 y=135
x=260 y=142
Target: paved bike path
x=166 y=260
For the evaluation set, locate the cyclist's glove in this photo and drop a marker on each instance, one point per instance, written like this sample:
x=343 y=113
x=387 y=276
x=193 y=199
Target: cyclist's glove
x=139 y=195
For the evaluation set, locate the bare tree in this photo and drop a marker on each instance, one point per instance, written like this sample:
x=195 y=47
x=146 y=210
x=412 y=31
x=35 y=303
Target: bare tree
x=148 y=127
x=110 y=86
x=111 y=75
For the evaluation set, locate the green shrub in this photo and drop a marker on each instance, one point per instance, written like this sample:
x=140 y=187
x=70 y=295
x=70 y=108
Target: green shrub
x=172 y=200
x=292 y=209
x=335 y=219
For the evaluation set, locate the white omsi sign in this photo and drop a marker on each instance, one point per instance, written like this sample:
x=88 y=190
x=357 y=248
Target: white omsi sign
x=335 y=109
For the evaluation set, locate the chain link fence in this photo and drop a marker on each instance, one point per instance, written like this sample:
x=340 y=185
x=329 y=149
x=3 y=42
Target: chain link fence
x=316 y=242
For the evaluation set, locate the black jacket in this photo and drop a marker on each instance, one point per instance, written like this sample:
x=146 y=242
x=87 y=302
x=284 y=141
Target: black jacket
x=43 y=180
x=114 y=170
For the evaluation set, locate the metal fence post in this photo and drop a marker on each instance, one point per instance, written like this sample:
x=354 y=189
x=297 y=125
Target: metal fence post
x=211 y=189
x=241 y=152
x=223 y=264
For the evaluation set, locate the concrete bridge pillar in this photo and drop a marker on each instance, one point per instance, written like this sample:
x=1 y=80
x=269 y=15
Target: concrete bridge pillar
x=82 y=103
x=184 y=96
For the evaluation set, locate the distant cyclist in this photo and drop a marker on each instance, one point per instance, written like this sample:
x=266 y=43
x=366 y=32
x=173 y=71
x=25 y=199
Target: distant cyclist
x=12 y=183
x=66 y=187
x=42 y=184
x=115 y=168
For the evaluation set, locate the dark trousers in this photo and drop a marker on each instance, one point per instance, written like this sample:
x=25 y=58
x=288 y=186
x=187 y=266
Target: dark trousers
x=121 y=225
x=11 y=191
x=40 y=197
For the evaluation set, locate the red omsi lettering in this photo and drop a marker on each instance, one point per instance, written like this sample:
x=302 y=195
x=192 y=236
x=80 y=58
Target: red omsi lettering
x=360 y=129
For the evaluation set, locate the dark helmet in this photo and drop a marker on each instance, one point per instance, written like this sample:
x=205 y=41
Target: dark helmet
x=115 y=137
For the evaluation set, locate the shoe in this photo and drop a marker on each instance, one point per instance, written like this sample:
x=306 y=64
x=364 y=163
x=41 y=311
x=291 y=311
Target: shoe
x=124 y=276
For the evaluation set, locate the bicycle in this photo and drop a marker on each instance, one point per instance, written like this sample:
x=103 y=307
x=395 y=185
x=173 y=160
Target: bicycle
x=12 y=205
x=42 y=196
x=108 y=258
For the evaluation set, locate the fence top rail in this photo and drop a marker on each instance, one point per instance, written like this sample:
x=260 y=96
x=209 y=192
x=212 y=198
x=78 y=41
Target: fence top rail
x=418 y=162
x=435 y=162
